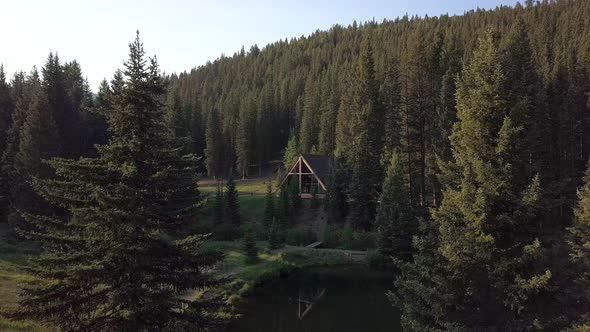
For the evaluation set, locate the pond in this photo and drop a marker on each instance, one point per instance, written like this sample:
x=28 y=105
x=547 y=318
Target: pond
x=323 y=299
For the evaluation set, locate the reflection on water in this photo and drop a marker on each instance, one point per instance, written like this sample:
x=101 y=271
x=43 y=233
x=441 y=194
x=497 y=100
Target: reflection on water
x=339 y=299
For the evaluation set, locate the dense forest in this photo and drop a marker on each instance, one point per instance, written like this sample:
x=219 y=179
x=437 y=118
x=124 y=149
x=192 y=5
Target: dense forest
x=464 y=141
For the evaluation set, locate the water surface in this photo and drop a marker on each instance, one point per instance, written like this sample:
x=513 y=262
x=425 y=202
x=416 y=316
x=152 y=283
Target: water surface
x=327 y=299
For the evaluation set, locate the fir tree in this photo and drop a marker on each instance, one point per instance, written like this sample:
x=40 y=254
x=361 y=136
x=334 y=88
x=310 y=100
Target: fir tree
x=109 y=265
x=396 y=219
x=295 y=199
x=579 y=243
x=291 y=151
x=274 y=237
x=218 y=207
x=231 y=203
x=367 y=131
x=269 y=206
x=6 y=109
x=488 y=240
x=283 y=212
x=249 y=246
x=214 y=150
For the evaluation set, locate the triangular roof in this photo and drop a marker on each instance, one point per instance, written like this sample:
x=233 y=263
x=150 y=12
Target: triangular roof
x=319 y=165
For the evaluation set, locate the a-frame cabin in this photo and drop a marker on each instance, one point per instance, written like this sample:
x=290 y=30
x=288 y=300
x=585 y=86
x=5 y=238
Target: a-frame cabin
x=311 y=173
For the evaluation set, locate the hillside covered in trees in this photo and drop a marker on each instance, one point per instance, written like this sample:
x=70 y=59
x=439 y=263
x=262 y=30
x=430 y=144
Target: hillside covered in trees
x=462 y=141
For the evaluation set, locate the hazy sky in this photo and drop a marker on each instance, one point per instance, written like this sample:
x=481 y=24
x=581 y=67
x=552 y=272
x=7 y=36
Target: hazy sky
x=183 y=34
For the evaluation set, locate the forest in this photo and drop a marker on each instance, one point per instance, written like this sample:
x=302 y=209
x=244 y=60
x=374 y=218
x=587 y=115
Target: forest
x=463 y=142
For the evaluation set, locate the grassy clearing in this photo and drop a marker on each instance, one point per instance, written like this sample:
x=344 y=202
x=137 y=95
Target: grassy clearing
x=255 y=186
x=11 y=275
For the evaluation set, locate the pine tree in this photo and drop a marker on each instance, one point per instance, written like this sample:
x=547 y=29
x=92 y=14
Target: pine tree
x=291 y=151
x=295 y=200
x=579 y=243
x=396 y=219
x=283 y=212
x=6 y=109
x=38 y=141
x=231 y=203
x=249 y=246
x=175 y=115
x=367 y=144
x=110 y=267
x=489 y=238
x=309 y=130
x=390 y=92
x=274 y=238
x=218 y=207
x=214 y=142
x=269 y=206
x=336 y=204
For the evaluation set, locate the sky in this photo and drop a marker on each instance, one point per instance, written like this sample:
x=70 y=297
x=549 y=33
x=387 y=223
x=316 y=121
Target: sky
x=182 y=33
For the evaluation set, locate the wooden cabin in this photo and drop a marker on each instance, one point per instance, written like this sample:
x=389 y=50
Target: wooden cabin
x=311 y=173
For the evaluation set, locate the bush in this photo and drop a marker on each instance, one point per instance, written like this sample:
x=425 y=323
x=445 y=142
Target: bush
x=376 y=259
x=299 y=236
x=349 y=239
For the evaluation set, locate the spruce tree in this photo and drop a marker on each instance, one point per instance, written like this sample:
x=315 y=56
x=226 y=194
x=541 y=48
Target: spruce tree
x=214 y=150
x=291 y=151
x=218 y=207
x=6 y=109
x=249 y=246
x=269 y=206
x=367 y=144
x=396 y=219
x=109 y=265
x=489 y=243
x=274 y=238
x=579 y=243
x=283 y=208
x=231 y=203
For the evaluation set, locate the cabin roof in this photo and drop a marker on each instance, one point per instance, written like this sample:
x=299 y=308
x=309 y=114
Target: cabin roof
x=321 y=165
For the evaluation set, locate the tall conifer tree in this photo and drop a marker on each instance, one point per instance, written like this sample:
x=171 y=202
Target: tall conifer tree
x=109 y=266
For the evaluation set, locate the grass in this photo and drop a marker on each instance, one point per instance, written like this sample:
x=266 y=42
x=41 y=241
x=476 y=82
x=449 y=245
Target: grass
x=11 y=275
x=256 y=186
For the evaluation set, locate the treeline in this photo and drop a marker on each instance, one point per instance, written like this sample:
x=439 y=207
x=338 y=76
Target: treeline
x=44 y=114
x=248 y=104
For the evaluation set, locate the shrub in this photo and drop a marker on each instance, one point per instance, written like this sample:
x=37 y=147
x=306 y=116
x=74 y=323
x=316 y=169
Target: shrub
x=376 y=259
x=299 y=236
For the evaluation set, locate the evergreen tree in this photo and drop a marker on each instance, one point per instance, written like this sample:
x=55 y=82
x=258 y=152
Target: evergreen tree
x=396 y=219
x=390 y=92
x=269 y=206
x=110 y=267
x=295 y=200
x=283 y=212
x=579 y=242
x=291 y=152
x=214 y=142
x=218 y=207
x=6 y=109
x=274 y=238
x=336 y=204
x=309 y=130
x=231 y=202
x=249 y=247
x=489 y=238
x=367 y=131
